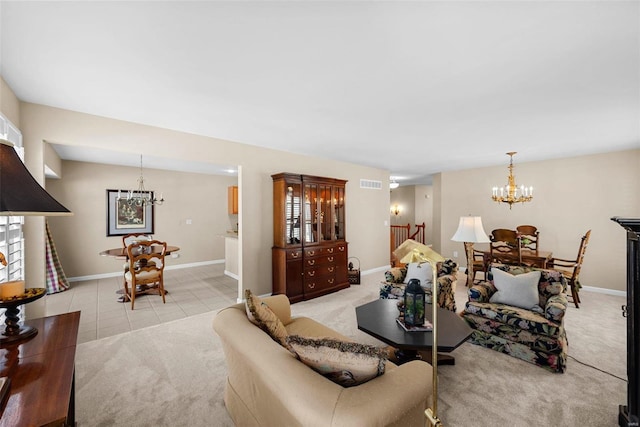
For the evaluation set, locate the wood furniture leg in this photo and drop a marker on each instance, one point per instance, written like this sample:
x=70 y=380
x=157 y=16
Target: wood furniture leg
x=468 y=248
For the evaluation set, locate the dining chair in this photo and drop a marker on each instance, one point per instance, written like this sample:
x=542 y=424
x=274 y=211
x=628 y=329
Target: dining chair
x=478 y=266
x=146 y=267
x=128 y=239
x=570 y=269
x=504 y=247
x=529 y=237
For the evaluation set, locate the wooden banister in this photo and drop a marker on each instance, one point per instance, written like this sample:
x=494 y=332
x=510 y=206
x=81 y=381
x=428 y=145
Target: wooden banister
x=418 y=236
x=398 y=234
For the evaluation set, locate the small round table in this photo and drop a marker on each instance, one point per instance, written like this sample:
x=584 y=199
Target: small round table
x=13 y=330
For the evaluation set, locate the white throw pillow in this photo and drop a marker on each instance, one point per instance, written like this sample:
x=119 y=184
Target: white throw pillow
x=421 y=271
x=520 y=290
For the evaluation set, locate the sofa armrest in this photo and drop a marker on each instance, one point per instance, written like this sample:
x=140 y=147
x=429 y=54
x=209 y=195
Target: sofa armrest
x=481 y=292
x=446 y=292
x=280 y=306
x=556 y=308
x=396 y=398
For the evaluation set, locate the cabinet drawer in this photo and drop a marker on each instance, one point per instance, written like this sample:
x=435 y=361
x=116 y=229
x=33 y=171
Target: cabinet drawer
x=319 y=271
x=312 y=252
x=321 y=260
x=318 y=284
x=335 y=250
x=294 y=254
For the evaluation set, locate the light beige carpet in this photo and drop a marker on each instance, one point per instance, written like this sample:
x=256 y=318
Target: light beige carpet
x=173 y=374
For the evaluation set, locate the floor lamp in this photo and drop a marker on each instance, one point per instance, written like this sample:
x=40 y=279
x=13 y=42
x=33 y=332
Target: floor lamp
x=20 y=195
x=411 y=251
x=470 y=231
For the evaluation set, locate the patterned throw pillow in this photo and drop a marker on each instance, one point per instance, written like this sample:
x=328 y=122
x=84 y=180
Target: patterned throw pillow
x=345 y=363
x=395 y=275
x=260 y=314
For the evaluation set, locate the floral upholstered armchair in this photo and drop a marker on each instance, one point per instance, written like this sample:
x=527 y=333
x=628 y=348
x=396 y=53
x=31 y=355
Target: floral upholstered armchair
x=536 y=333
x=396 y=278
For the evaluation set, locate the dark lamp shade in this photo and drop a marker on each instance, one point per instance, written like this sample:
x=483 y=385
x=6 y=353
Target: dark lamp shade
x=20 y=193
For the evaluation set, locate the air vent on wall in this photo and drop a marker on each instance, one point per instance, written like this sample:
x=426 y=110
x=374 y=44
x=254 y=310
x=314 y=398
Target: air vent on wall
x=370 y=184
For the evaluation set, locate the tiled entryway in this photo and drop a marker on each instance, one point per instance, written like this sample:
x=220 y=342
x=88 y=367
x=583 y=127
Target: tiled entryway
x=191 y=291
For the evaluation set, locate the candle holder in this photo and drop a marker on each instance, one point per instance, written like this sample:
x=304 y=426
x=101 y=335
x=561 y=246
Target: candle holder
x=13 y=330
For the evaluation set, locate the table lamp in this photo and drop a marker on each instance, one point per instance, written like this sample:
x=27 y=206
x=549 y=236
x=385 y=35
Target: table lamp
x=470 y=231
x=20 y=195
x=412 y=251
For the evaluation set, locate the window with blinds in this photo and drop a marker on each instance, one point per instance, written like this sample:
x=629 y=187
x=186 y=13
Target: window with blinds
x=11 y=238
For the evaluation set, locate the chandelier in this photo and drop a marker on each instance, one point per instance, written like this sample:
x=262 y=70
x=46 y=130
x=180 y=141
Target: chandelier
x=511 y=193
x=141 y=196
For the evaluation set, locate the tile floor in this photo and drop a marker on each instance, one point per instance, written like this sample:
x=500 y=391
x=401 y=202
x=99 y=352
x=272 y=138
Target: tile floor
x=191 y=291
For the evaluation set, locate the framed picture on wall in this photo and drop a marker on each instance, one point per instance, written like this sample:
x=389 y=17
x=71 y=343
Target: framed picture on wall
x=124 y=218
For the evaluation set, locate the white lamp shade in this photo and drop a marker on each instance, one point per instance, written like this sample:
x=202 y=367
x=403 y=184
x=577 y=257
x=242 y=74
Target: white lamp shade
x=470 y=230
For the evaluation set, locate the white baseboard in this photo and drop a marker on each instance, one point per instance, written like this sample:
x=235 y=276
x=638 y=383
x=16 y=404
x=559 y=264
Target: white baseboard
x=375 y=270
x=232 y=275
x=604 y=291
x=119 y=273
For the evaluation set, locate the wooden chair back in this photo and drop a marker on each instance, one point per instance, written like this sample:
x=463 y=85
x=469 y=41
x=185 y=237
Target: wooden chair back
x=505 y=247
x=146 y=267
x=570 y=268
x=128 y=239
x=529 y=237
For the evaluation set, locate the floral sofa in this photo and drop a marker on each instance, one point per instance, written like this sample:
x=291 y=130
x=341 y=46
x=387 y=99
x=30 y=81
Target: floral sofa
x=536 y=335
x=393 y=286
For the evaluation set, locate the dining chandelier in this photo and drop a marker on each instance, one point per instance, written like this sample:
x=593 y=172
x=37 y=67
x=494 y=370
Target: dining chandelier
x=511 y=193
x=141 y=196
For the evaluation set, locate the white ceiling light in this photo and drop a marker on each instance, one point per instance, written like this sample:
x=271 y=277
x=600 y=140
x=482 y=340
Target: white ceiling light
x=393 y=185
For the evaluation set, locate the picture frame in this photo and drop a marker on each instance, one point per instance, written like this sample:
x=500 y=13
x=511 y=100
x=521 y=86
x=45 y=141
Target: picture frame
x=122 y=219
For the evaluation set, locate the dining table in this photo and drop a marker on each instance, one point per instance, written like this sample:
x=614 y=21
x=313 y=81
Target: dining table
x=530 y=257
x=121 y=253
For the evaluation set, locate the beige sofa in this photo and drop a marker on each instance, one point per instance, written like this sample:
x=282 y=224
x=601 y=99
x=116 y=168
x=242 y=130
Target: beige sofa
x=268 y=386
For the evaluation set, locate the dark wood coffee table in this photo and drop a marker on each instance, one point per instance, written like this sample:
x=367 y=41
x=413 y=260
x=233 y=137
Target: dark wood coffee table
x=42 y=374
x=378 y=319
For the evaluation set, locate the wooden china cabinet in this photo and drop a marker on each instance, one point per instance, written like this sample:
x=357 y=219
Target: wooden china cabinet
x=629 y=414
x=309 y=254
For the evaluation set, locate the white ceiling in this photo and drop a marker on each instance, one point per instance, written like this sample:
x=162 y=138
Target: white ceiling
x=412 y=87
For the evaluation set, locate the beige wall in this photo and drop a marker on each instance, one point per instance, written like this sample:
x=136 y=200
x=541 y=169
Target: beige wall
x=424 y=209
x=198 y=197
x=9 y=103
x=52 y=160
x=571 y=196
x=367 y=210
x=404 y=197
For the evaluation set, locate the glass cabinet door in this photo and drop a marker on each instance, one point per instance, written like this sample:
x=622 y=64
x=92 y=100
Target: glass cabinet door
x=338 y=216
x=293 y=211
x=311 y=213
x=326 y=216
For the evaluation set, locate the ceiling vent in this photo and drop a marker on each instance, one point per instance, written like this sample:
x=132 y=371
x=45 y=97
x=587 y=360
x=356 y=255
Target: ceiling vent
x=370 y=184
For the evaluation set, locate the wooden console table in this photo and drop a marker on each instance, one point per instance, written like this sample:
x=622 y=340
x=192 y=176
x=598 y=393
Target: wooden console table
x=42 y=374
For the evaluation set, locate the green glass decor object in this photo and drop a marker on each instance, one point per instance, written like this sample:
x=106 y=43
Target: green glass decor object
x=414 y=303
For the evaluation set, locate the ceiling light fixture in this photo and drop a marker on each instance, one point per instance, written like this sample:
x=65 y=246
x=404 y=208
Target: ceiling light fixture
x=141 y=196
x=510 y=193
x=393 y=185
